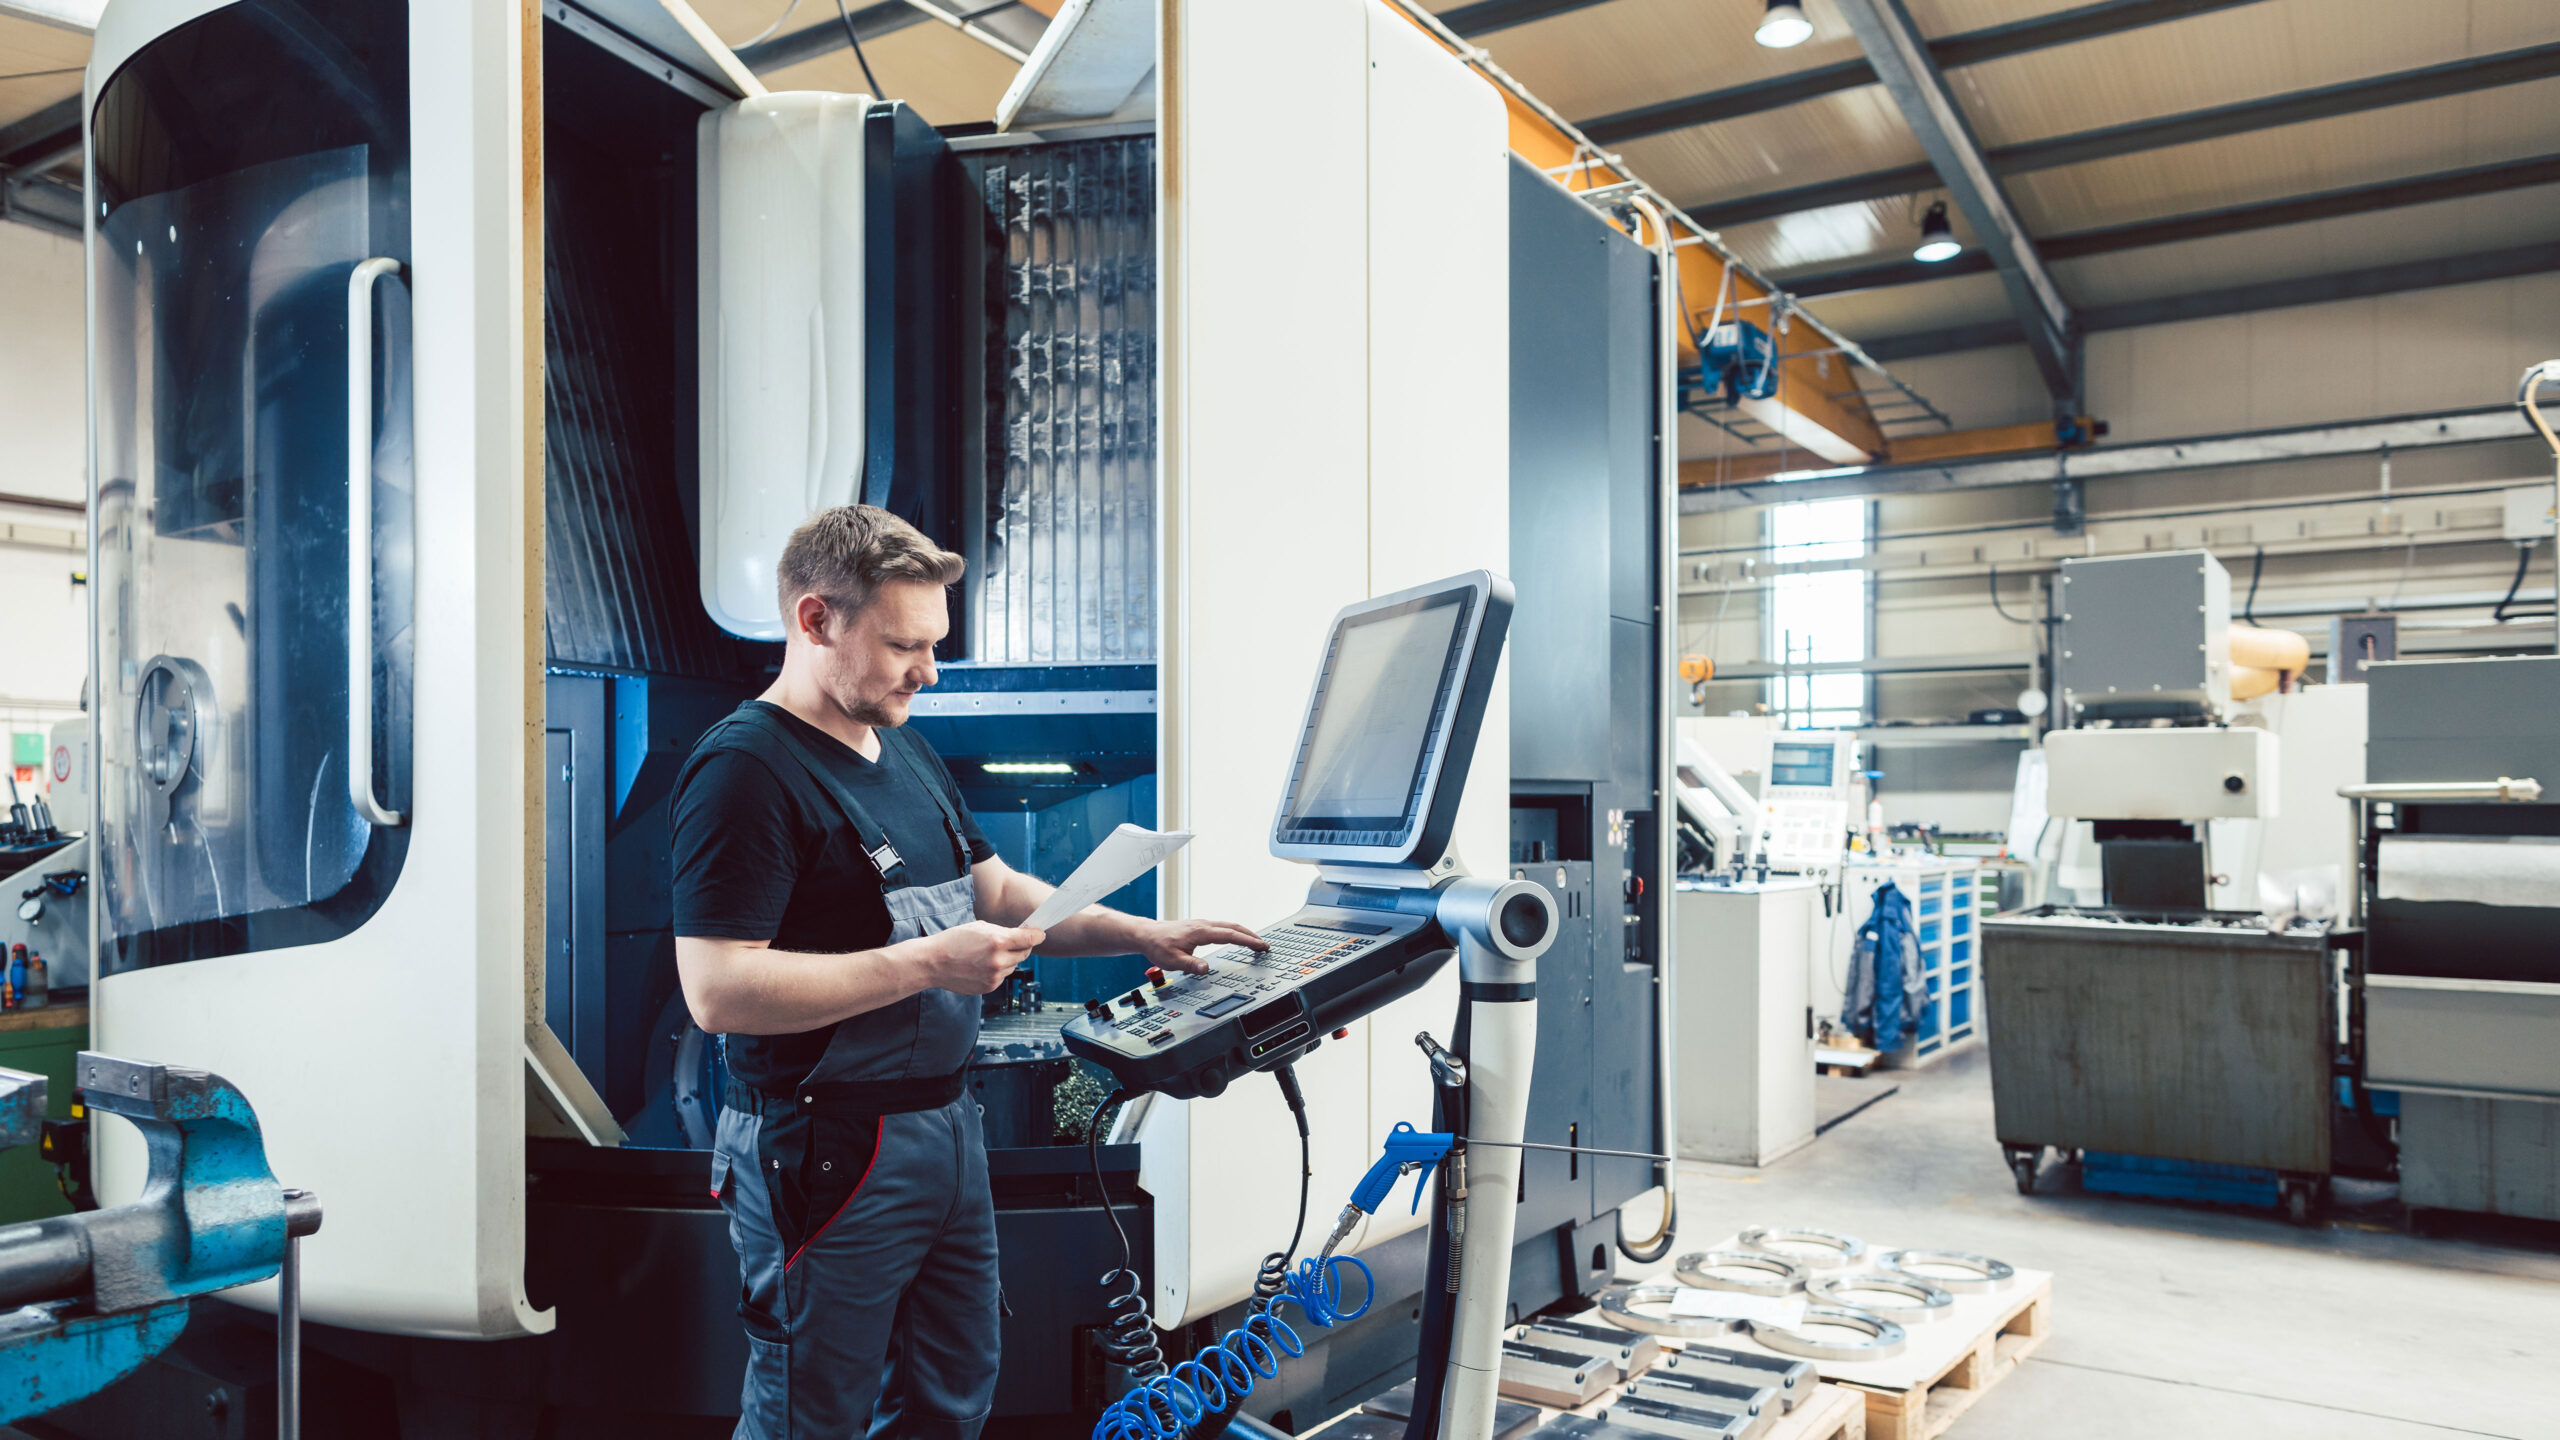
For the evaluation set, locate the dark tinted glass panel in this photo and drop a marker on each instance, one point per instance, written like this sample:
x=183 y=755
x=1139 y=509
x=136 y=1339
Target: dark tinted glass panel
x=245 y=164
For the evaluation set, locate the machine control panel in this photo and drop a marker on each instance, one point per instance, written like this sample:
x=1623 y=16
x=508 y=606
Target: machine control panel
x=1804 y=802
x=1326 y=967
x=1373 y=789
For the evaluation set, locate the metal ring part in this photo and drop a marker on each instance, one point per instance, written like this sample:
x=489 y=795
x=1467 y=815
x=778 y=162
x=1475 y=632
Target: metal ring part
x=1929 y=1300
x=1619 y=1304
x=1986 y=1274
x=1778 y=1274
x=1831 y=1250
x=1884 y=1338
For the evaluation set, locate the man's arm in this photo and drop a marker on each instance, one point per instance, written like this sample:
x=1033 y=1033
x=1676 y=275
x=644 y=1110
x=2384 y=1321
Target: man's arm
x=746 y=987
x=1007 y=896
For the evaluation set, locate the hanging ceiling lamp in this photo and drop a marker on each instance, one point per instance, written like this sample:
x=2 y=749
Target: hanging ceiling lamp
x=1783 y=26
x=1937 y=237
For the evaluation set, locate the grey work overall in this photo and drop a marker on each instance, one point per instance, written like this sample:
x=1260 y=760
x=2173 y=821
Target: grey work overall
x=858 y=1202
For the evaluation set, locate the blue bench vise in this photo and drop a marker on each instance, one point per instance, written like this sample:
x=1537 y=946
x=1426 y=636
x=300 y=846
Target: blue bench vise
x=86 y=1298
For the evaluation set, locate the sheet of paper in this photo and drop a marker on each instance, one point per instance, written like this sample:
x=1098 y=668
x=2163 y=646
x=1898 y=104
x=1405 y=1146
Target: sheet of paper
x=1693 y=1303
x=1123 y=856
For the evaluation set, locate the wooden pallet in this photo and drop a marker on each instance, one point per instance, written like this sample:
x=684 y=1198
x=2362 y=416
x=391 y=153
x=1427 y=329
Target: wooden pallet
x=1924 y=1411
x=1833 y=1413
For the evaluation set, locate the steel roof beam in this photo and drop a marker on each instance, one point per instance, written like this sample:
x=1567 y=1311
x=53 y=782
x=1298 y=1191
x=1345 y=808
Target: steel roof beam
x=29 y=147
x=44 y=139
x=2203 y=224
x=2243 y=299
x=2406 y=432
x=2086 y=22
x=1901 y=58
x=2401 y=88
x=1486 y=16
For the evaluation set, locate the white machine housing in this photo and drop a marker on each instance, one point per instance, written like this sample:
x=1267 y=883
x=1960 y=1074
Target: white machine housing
x=1405 y=350
x=2191 y=773
x=1717 y=805
x=1800 y=788
x=389 y=1064
x=1744 y=988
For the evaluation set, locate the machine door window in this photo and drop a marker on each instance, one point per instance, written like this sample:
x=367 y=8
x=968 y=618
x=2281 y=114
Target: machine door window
x=249 y=258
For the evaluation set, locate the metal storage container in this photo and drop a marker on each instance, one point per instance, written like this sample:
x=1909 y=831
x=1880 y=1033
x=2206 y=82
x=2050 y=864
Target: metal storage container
x=2182 y=1040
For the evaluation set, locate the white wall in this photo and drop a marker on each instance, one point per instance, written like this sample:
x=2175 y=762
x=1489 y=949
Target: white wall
x=44 y=640
x=1336 y=409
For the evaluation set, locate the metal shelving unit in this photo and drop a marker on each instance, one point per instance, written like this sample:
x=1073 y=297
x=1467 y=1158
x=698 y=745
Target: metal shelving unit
x=1892 y=735
x=1946 y=909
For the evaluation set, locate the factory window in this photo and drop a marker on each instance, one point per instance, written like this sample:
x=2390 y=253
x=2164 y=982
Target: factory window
x=1821 y=616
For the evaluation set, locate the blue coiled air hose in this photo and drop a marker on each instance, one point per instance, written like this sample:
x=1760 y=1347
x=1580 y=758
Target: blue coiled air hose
x=1202 y=1394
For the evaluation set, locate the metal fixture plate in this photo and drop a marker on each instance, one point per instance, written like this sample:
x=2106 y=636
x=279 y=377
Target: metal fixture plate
x=1761 y=1402
x=1816 y=1249
x=1630 y=1352
x=1784 y=1276
x=1883 y=1339
x=1683 y=1422
x=1987 y=1274
x=1619 y=1304
x=1563 y=1378
x=1929 y=1300
x=1793 y=1379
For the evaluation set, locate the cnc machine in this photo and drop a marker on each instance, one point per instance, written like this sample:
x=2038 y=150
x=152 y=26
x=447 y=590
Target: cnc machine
x=365 y=400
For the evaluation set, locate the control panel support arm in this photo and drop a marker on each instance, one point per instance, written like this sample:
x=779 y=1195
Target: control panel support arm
x=1502 y=927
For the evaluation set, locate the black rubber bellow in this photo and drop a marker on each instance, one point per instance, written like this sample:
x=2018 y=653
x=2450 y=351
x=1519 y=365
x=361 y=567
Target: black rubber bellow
x=1524 y=920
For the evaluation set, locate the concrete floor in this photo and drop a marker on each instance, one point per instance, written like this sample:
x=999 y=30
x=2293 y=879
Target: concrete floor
x=2172 y=1320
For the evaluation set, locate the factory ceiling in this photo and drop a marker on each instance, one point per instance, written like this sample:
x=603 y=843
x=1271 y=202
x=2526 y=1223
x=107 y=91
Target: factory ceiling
x=2153 y=150
x=2143 y=160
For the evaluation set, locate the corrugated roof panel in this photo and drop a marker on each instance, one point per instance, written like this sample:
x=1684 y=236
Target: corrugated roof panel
x=1940 y=18
x=2489 y=128
x=2224 y=57
x=2506 y=123
x=743 y=22
x=1844 y=134
x=1908 y=309
x=2471 y=225
x=1610 y=57
x=49 y=57
x=1838 y=236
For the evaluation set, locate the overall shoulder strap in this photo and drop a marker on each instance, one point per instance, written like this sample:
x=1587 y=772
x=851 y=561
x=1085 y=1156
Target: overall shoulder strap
x=883 y=856
x=906 y=745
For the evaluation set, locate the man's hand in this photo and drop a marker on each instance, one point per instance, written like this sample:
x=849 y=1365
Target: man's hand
x=975 y=958
x=1169 y=943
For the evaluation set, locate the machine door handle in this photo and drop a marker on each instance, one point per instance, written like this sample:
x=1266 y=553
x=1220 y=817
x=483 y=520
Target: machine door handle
x=360 y=541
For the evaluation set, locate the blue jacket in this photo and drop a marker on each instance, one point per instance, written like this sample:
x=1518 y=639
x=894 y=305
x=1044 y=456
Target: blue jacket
x=1881 y=1002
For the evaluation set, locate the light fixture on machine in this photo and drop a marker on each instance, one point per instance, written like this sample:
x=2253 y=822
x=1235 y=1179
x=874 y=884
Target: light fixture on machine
x=1937 y=236
x=1029 y=767
x=782 y=335
x=1784 y=26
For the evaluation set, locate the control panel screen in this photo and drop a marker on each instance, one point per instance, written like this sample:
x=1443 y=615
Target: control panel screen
x=1796 y=762
x=1383 y=689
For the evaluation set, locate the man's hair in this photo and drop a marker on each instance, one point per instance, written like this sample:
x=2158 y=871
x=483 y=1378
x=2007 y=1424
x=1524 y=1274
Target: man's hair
x=844 y=555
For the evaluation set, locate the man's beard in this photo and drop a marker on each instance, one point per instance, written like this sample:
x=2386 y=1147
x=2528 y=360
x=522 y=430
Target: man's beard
x=866 y=712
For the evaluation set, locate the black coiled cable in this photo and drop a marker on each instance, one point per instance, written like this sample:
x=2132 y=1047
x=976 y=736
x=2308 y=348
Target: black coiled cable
x=1129 y=1334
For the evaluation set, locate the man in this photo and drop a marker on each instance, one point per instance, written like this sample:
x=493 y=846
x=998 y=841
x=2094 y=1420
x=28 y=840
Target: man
x=837 y=917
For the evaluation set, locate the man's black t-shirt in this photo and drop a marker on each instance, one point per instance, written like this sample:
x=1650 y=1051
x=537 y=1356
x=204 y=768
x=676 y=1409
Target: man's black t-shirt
x=763 y=853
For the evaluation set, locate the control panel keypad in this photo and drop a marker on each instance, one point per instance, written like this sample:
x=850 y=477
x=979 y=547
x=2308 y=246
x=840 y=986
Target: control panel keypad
x=1239 y=975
